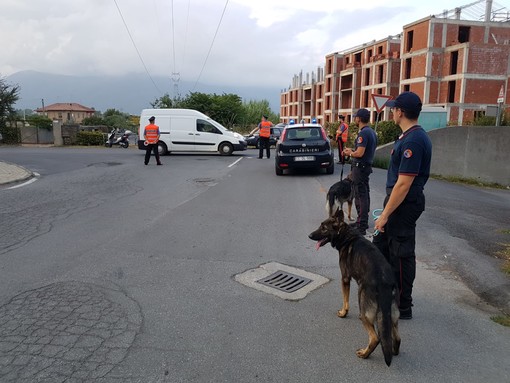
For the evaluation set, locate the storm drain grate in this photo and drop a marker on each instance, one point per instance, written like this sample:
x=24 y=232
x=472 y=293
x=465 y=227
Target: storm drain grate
x=284 y=281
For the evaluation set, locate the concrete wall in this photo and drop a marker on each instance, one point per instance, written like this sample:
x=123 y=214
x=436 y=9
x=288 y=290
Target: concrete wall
x=476 y=152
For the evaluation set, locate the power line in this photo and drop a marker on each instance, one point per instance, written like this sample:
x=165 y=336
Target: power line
x=173 y=34
x=137 y=51
x=210 y=48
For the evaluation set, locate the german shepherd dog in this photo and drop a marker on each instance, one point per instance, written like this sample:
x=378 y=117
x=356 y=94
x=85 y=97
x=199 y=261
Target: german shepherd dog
x=340 y=192
x=377 y=290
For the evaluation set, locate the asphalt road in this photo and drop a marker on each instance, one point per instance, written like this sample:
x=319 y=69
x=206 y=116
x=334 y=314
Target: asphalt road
x=112 y=271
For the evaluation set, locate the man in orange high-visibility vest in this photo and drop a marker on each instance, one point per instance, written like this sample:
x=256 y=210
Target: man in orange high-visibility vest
x=264 y=134
x=342 y=134
x=151 y=135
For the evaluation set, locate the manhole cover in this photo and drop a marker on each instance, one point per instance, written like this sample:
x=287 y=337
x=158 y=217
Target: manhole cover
x=285 y=281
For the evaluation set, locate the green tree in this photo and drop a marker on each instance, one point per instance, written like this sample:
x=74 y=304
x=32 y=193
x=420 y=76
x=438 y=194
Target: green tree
x=163 y=102
x=40 y=121
x=9 y=94
x=254 y=110
x=116 y=119
x=94 y=120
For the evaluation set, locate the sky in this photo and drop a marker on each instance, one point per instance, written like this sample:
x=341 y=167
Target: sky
x=235 y=42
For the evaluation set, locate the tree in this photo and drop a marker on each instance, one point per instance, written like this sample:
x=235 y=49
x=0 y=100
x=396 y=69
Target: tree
x=116 y=119
x=9 y=94
x=164 y=102
x=40 y=121
x=94 y=120
x=254 y=110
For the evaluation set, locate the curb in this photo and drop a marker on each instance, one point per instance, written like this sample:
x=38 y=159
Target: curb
x=12 y=173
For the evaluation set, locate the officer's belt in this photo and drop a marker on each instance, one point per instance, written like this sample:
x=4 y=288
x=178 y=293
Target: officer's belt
x=359 y=164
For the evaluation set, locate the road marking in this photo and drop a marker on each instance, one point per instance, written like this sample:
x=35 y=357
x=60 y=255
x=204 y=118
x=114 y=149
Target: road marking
x=26 y=183
x=232 y=164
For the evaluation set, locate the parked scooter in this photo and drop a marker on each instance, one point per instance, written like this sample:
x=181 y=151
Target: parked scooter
x=122 y=141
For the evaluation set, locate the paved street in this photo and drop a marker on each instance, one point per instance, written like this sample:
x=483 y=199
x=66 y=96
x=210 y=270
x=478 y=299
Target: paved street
x=112 y=271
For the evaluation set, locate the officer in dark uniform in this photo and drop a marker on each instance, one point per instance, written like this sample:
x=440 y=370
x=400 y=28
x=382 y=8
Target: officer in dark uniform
x=362 y=157
x=407 y=174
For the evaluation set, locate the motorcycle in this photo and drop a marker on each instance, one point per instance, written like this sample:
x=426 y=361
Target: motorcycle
x=122 y=141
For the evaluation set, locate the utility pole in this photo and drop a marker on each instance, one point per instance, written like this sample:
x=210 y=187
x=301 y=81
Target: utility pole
x=175 y=78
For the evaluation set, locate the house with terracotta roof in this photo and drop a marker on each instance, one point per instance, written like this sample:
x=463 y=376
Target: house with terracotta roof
x=66 y=112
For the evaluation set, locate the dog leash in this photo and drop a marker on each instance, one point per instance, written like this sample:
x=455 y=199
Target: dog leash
x=376 y=214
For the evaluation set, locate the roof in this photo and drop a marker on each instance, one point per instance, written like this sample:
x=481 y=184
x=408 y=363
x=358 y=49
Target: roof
x=65 y=107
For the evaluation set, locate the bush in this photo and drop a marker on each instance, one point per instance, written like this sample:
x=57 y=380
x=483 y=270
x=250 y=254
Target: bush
x=90 y=138
x=10 y=135
x=387 y=131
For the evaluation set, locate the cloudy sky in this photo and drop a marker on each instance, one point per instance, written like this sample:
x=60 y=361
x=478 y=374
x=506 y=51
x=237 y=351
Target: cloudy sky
x=258 y=42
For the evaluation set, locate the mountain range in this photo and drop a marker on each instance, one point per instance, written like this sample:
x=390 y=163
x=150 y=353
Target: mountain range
x=128 y=93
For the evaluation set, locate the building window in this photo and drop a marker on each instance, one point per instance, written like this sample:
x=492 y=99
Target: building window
x=379 y=50
x=347 y=60
x=454 y=59
x=367 y=76
x=407 y=88
x=366 y=98
x=451 y=91
x=463 y=34
x=380 y=69
x=357 y=58
x=408 y=69
x=409 y=41
x=370 y=53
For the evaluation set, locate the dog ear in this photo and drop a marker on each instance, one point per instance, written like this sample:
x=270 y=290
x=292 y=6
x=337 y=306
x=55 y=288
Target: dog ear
x=339 y=215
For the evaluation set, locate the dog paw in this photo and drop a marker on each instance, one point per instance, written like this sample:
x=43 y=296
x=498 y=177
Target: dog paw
x=342 y=313
x=363 y=353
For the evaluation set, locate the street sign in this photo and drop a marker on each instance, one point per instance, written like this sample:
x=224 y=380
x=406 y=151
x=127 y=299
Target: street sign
x=501 y=97
x=379 y=101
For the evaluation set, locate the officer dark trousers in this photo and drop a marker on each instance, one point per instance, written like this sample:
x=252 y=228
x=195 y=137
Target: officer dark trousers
x=264 y=143
x=151 y=148
x=341 y=157
x=360 y=178
x=397 y=243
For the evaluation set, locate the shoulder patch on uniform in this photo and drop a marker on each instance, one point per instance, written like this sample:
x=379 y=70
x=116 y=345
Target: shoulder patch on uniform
x=360 y=140
x=408 y=153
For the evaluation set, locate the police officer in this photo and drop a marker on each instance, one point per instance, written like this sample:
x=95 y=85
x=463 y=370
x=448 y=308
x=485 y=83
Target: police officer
x=264 y=129
x=151 y=135
x=407 y=174
x=342 y=134
x=362 y=157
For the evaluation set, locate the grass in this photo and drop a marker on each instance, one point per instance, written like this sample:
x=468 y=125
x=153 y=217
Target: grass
x=469 y=181
x=504 y=253
x=503 y=320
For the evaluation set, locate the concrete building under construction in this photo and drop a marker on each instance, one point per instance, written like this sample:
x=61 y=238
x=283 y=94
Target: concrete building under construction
x=458 y=60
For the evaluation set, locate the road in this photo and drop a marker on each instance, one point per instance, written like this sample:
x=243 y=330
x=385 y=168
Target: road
x=112 y=271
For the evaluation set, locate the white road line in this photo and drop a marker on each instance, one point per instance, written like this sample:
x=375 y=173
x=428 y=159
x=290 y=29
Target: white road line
x=232 y=164
x=26 y=183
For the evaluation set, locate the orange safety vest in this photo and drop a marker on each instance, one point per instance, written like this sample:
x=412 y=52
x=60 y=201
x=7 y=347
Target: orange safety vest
x=151 y=133
x=265 y=129
x=344 y=134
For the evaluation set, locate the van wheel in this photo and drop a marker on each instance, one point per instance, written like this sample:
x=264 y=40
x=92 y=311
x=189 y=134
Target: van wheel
x=162 y=149
x=330 y=169
x=278 y=171
x=226 y=149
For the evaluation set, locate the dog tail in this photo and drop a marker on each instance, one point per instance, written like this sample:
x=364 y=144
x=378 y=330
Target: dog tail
x=384 y=324
x=331 y=204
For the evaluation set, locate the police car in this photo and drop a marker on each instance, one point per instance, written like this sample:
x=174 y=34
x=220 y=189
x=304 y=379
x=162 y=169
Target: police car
x=304 y=146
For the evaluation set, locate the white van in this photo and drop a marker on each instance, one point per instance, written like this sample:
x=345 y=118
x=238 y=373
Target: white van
x=188 y=130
